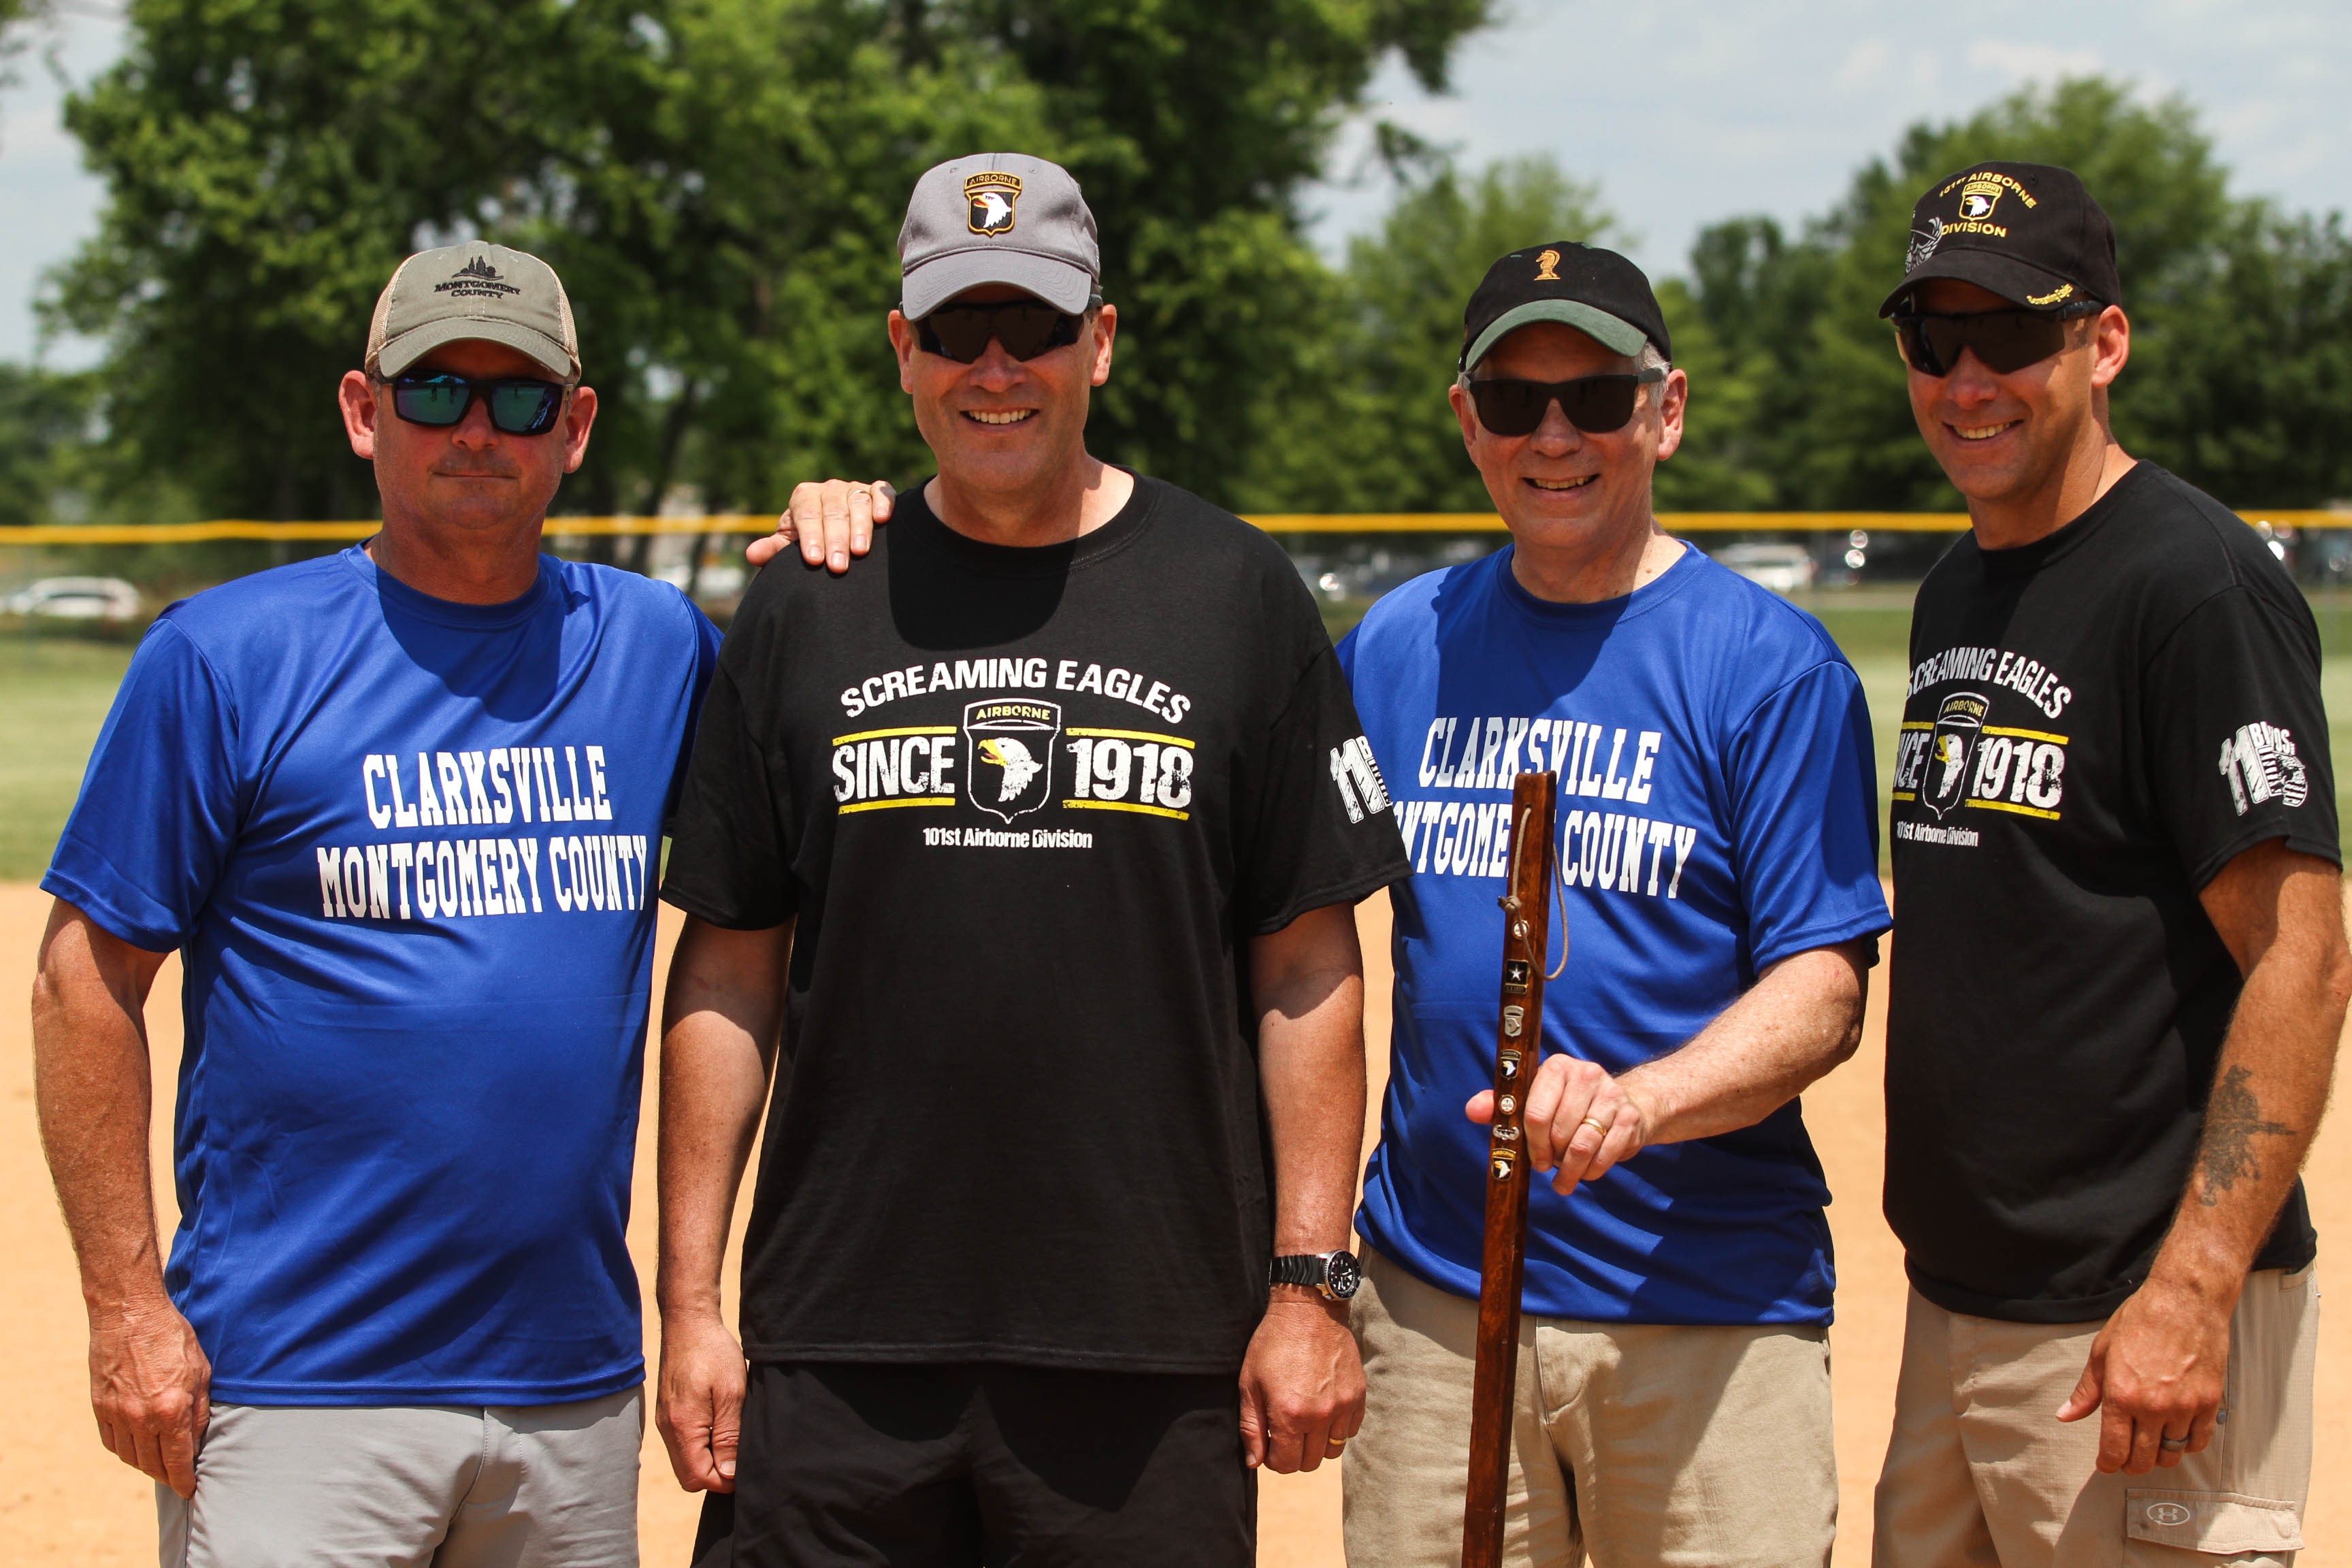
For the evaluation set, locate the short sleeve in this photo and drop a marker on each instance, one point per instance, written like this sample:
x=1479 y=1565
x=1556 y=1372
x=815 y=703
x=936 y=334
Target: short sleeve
x=729 y=859
x=705 y=660
x=161 y=803
x=2237 y=735
x=1321 y=827
x=1804 y=797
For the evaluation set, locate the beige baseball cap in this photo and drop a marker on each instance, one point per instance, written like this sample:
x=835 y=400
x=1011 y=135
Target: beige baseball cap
x=474 y=291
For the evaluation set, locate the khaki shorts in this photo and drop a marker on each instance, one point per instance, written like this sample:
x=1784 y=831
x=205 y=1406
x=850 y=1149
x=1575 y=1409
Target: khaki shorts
x=520 y=1486
x=1638 y=1443
x=1981 y=1474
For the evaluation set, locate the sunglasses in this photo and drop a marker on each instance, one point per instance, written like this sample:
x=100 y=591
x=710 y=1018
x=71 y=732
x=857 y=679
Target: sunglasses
x=1595 y=405
x=517 y=407
x=1026 y=328
x=2004 y=340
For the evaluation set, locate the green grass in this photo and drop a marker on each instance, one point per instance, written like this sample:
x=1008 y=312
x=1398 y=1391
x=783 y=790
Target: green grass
x=54 y=691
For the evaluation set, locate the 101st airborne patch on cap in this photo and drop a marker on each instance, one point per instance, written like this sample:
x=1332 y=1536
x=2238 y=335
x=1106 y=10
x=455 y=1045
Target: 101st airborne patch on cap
x=994 y=197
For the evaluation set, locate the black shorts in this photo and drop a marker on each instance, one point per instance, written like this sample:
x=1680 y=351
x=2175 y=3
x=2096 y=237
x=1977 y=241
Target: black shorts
x=1006 y=1466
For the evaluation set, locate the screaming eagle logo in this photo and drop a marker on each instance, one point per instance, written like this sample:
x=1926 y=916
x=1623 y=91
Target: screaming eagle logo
x=992 y=197
x=1977 y=198
x=1950 y=748
x=1012 y=748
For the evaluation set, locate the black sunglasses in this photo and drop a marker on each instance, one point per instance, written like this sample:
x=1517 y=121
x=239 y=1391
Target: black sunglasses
x=2004 y=340
x=1026 y=328
x=1595 y=405
x=518 y=407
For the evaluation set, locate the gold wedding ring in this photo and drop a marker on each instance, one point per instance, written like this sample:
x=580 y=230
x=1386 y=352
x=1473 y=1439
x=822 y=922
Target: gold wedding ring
x=1599 y=1126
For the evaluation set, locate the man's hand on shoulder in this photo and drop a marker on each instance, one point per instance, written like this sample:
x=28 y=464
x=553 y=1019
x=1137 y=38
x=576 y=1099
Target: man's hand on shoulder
x=699 y=1408
x=151 y=1389
x=1577 y=1118
x=832 y=519
x=1302 y=1383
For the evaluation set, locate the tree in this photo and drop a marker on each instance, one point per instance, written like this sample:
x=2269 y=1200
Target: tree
x=2242 y=318
x=269 y=163
x=720 y=184
x=44 y=421
x=1367 y=427
x=2248 y=391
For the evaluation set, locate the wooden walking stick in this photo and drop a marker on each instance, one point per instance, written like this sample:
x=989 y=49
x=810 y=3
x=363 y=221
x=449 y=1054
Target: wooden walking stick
x=1518 y=1043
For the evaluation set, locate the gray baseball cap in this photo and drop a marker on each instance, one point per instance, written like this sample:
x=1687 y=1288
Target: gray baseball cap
x=998 y=217
x=473 y=291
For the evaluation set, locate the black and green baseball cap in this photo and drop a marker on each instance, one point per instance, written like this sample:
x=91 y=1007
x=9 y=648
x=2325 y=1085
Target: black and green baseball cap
x=1597 y=291
x=474 y=291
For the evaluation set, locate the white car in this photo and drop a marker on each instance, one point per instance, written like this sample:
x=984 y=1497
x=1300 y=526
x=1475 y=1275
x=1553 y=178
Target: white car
x=1783 y=568
x=76 y=599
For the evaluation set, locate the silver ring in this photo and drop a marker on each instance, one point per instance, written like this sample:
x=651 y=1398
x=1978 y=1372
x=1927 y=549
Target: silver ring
x=2172 y=1445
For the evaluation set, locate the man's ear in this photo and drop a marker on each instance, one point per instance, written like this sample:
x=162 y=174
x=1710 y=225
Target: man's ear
x=1464 y=413
x=902 y=343
x=2110 y=346
x=355 y=397
x=579 y=418
x=1105 y=329
x=1673 y=397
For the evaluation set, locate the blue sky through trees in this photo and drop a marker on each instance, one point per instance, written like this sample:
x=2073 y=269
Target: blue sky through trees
x=1682 y=111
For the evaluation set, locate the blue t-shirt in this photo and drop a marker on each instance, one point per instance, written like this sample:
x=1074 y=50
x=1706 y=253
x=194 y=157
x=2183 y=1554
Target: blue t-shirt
x=407 y=849
x=1716 y=814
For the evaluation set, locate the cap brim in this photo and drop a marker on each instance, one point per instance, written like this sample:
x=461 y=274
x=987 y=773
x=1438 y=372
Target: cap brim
x=1616 y=335
x=2022 y=283
x=935 y=282
x=417 y=341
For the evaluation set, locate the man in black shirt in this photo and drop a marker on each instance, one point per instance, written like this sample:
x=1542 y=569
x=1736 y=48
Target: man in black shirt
x=1036 y=841
x=2119 y=967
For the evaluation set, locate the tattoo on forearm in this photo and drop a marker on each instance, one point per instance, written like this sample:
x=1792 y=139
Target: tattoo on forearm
x=2232 y=1119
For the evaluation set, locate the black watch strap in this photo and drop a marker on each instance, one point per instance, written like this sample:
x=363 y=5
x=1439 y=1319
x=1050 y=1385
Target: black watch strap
x=1334 y=1274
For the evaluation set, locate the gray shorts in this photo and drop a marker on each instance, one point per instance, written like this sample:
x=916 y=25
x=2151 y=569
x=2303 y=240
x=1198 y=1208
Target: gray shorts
x=509 y=1486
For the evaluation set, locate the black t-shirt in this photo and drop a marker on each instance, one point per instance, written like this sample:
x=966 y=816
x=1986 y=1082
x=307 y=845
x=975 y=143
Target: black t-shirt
x=1028 y=807
x=2098 y=722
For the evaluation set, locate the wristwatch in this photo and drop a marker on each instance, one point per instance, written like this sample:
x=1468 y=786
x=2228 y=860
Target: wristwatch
x=1334 y=1274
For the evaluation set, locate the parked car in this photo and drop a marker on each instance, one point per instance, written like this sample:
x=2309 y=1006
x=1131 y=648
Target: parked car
x=1783 y=568
x=76 y=599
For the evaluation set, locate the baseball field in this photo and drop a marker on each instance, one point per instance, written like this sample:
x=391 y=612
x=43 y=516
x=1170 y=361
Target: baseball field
x=63 y=1499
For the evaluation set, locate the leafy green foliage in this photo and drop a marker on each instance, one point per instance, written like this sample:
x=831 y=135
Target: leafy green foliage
x=2242 y=319
x=43 y=424
x=720 y=184
x=1365 y=424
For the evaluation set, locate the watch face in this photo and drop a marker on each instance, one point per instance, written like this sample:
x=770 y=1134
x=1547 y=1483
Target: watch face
x=1343 y=1274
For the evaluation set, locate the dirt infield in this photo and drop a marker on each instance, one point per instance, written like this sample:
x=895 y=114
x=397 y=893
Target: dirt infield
x=63 y=1499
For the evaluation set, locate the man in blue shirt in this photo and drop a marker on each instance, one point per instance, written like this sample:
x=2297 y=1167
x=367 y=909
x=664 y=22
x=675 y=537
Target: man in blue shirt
x=398 y=810
x=1718 y=851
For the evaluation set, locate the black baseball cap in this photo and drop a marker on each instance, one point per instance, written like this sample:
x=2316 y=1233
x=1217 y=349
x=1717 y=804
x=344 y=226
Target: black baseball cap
x=2029 y=232
x=1597 y=291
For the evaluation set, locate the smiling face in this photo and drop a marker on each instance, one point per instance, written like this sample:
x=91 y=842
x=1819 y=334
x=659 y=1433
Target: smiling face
x=469 y=476
x=1561 y=488
x=1002 y=426
x=2005 y=440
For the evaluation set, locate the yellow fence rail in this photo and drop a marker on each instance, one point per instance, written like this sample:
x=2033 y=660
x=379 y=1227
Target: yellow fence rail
x=1317 y=522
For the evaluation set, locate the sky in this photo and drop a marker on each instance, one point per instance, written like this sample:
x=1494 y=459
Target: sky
x=1682 y=111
